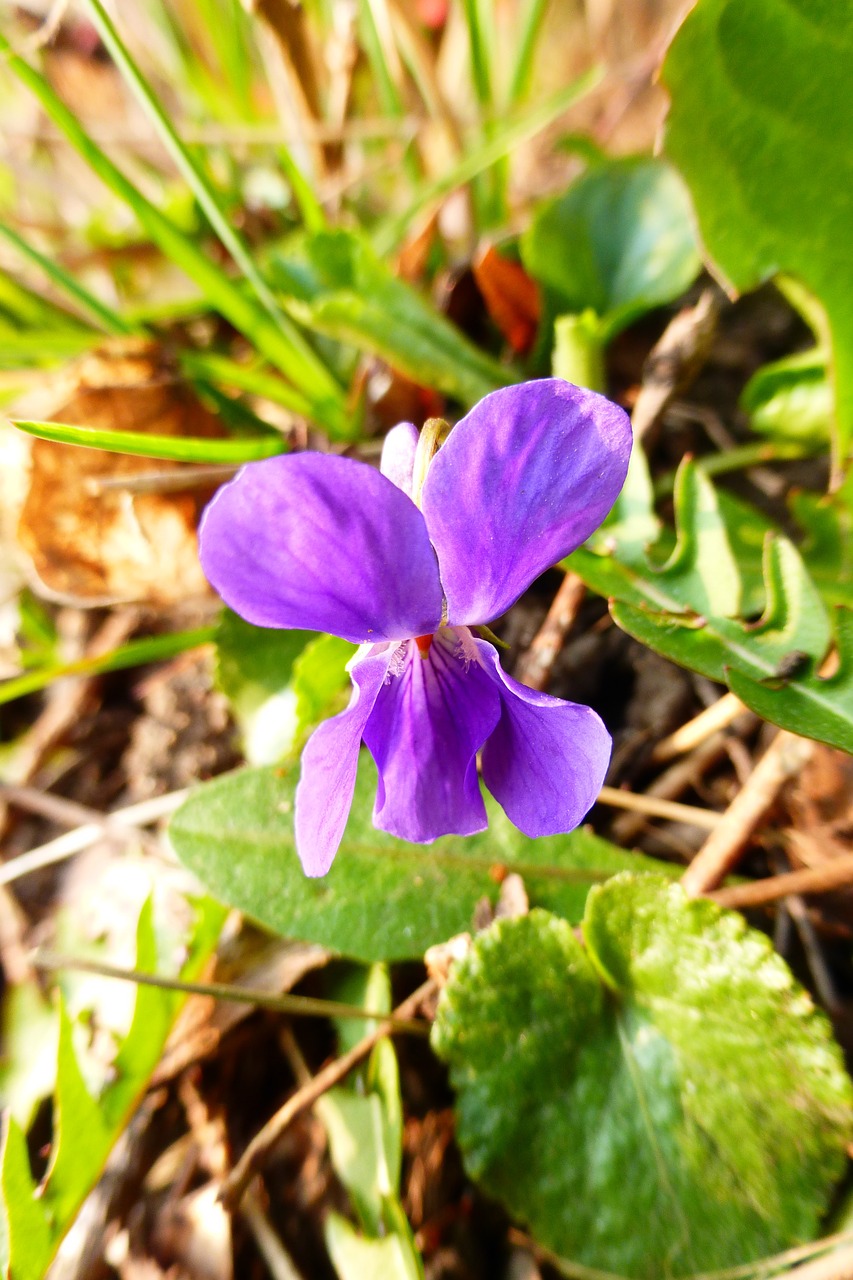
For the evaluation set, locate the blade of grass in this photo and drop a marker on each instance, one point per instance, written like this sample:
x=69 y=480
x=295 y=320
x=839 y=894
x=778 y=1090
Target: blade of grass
x=530 y=27
x=108 y=319
x=377 y=37
x=175 y=448
x=133 y=654
x=479 y=20
x=293 y=355
x=392 y=232
x=187 y=166
x=243 y=377
x=42 y=347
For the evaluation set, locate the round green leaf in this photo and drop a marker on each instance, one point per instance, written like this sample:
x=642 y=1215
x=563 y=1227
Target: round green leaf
x=664 y=1102
x=620 y=241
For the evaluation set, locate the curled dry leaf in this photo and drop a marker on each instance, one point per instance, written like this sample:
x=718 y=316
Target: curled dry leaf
x=511 y=296
x=91 y=545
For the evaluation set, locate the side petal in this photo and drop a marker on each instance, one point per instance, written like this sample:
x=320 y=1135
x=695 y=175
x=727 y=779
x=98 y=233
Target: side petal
x=329 y=766
x=398 y=455
x=546 y=760
x=522 y=481
x=424 y=733
x=325 y=543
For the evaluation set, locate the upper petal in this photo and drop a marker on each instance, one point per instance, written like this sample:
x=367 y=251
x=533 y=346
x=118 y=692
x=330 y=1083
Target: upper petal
x=398 y=455
x=546 y=760
x=426 y=727
x=329 y=766
x=523 y=479
x=325 y=543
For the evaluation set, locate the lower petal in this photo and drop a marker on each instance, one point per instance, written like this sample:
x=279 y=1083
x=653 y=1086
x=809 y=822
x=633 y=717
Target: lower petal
x=329 y=766
x=546 y=760
x=424 y=732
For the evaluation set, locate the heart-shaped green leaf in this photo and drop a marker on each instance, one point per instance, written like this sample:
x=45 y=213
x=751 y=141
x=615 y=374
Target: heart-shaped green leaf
x=664 y=1102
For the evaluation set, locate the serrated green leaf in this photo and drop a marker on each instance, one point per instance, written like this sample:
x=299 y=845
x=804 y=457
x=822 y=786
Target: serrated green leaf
x=760 y=124
x=828 y=549
x=30 y=1029
x=701 y=573
x=620 y=241
x=792 y=399
x=26 y=1238
x=334 y=282
x=383 y=899
x=680 y=1103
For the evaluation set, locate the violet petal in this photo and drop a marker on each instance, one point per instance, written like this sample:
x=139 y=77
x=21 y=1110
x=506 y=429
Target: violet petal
x=523 y=479
x=546 y=760
x=325 y=543
x=398 y=455
x=428 y=723
x=329 y=766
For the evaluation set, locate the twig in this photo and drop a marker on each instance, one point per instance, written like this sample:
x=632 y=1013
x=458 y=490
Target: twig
x=837 y=1265
x=784 y=758
x=718 y=716
x=675 y=360
x=263 y=1142
x=69 y=813
x=671 y=783
x=65 y=846
x=274 y=1254
x=283 y=1002
x=536 y=665
x=837 y=874
x=655 y=808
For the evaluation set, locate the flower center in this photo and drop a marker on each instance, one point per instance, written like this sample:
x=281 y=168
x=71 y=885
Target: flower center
x=423 y=643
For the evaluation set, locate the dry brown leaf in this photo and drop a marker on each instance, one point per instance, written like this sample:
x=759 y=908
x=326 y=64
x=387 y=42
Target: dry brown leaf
x=511 y=296
x=93 y=547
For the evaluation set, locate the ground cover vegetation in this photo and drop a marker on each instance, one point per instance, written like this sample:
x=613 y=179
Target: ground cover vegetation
x=426 y=832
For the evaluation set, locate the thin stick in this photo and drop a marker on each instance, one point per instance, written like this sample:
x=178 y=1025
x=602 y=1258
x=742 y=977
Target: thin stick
x=691 y=735
x=68 y=813
x=836 y=874
x=307 y=1006
x=65 y=846
x=675 y=360
x=655 y=808
x=273 y=1252
x=263 y=1142
x=785 y=757
x=536 y=665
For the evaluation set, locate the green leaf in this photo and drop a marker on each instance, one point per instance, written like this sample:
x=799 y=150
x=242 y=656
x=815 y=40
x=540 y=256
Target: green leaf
x=828 y=550
x=25 y=1243
x=761 y=124
x=620 y=241
x=354 y=1127
x=383 y=899
x=679 y=1101
x=85 y=1128
x=321 y=682
x=681 y=610
x=335 y=283
x=792 y=399
x=357 y=1258
x=30 y=1029
x=141 y=444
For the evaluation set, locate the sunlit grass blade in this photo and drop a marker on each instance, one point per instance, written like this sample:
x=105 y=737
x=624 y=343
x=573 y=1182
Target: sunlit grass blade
x=243 y=377
x=174 y=448
x=289 y=352
x=187 y=165
x=377 y=35
x=39 y=347
x=133 y=654
x=479 y=19
x=391 y=233
x=530 y=25
x=105 y=316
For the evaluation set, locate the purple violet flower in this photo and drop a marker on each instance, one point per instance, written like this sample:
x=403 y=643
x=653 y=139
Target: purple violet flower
x=330 y=544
